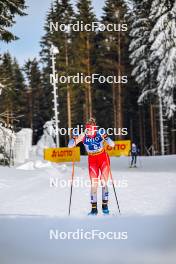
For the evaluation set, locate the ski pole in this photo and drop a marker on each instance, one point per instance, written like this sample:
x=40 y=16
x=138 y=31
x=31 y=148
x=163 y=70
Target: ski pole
x=113 y=184
x=73 y=173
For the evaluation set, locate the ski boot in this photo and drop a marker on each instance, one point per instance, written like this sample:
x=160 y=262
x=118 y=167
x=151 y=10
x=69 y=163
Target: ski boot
x=131 y=166
x=94 y=210
x=105 y=209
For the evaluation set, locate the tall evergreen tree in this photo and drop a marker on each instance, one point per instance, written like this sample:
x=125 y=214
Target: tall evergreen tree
x=84 y=45
x=8 y=11
x=20 y=99
x=142 y=69
x=153 y=60
x=13 y=94
x=152 y=48
x=35 y=97
x=140 y=46
x=163 y=50
x=6 y=78
x=112 y=59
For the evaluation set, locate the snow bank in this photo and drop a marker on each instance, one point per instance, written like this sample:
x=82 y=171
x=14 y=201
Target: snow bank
x=151 y=240
x=31 y=208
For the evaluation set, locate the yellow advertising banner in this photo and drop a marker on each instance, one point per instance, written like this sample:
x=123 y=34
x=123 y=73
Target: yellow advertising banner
x=121 y=148
x=62 y=154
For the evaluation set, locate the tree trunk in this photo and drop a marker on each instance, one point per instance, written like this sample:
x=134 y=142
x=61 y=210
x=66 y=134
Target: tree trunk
x=173 y=150
x=119 y=121
x=161 y=126
x=68 y=89
x=89 y=90
x=152 y=129
x=141 y=130
x=114 y=106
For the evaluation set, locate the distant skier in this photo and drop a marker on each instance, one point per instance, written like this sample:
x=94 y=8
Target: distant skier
x=98 y=161
x=134 y=153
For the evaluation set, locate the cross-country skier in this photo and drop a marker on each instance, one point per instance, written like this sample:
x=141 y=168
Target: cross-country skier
x=134 y=153
x=98 y=161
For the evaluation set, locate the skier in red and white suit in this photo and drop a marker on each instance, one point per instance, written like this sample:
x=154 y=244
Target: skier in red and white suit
x=98 y=160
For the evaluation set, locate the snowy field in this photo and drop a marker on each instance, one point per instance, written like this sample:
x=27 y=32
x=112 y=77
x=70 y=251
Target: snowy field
x=34 y=200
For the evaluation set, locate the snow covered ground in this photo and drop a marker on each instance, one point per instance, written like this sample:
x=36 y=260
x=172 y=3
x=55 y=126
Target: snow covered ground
x=31 y=206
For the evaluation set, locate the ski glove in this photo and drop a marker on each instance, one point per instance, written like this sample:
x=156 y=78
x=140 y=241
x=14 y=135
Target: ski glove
x=75 y=133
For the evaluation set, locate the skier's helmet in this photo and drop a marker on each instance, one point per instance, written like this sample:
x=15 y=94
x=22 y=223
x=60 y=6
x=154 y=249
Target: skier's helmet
x=91 y=128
